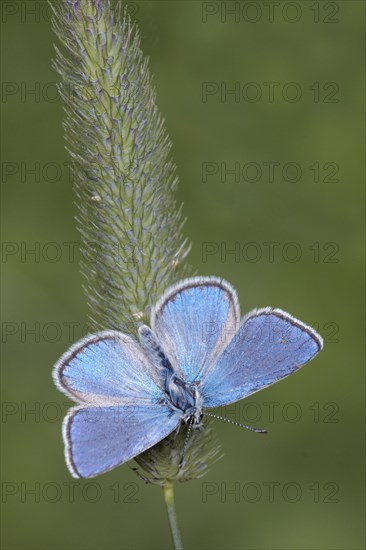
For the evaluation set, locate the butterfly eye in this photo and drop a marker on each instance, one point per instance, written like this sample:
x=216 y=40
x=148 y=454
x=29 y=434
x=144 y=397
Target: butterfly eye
x=194 y=419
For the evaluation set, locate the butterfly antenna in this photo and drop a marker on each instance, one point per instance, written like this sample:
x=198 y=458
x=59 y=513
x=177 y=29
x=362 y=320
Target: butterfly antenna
x=185 y=447
x=256 y=430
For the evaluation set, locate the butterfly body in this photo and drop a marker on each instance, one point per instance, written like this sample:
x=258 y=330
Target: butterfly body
x=186 y=401
x=183 y=399
x=197 y=354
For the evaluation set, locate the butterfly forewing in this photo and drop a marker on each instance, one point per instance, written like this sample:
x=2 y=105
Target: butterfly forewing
x=269 y=346
x=98 y=439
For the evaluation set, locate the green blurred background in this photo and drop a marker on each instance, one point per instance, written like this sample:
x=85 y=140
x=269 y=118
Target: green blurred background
x=313 y=456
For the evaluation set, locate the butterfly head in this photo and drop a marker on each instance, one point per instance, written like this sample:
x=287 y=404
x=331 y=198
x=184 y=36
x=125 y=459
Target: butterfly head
x=193 y=417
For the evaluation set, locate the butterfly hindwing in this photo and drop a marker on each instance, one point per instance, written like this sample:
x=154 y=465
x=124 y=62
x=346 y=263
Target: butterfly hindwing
x=98 y=439
x=270 y=345
x=107 y=368
x=193 y=321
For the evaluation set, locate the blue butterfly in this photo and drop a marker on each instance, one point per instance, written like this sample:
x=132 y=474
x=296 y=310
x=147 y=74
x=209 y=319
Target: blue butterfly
x=197 y=355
